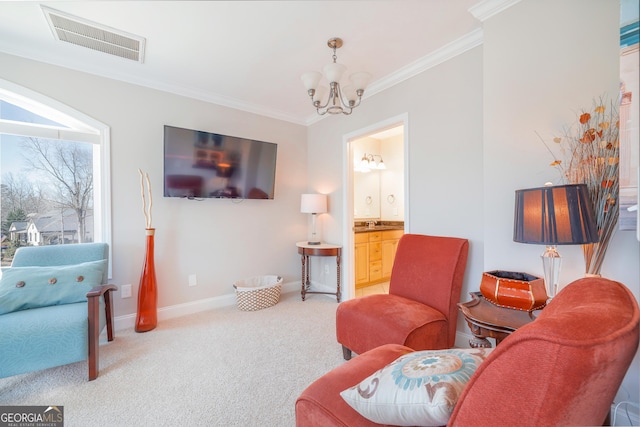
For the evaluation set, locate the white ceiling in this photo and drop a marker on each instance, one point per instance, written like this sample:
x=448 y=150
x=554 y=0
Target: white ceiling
x=250 y=54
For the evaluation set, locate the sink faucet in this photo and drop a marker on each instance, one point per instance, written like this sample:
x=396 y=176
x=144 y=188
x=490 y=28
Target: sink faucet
x=371 y=224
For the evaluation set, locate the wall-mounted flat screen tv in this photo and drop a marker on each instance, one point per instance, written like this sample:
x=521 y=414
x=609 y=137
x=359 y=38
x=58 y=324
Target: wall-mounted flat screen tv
x=209 y=165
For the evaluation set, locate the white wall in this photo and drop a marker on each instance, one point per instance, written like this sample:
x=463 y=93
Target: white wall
x=392 y=179
x=220 y=241
x=544 y=60
x=536 y=81
x=445 y=158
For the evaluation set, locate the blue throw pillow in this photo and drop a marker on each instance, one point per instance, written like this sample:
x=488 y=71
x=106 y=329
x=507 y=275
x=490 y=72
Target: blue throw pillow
x=32 y=287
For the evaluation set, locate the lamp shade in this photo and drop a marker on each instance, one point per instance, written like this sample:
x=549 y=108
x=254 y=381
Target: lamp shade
x=349 y=93
x=360 y=80
x=554 y=215
x=313 y=203
x=321 y=91
x=311 y=79
x=333 y=72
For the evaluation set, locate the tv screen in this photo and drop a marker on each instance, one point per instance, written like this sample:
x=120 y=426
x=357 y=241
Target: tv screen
x=209 y=165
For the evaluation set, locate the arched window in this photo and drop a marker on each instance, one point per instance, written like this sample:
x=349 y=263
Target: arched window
x=54 y=164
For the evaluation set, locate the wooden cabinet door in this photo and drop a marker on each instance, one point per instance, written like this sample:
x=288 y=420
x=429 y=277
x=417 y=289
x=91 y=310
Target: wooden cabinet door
x=375 y=251
x=362 y=263
x=390 y=241
x=388 y=254
x=375 y=271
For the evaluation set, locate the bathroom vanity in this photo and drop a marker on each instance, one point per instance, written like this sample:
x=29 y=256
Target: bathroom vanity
x=375 y=250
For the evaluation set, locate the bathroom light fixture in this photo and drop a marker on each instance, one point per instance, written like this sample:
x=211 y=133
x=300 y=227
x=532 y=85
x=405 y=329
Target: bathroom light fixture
x=368 y=162
x=313 y=204
x=341 y=99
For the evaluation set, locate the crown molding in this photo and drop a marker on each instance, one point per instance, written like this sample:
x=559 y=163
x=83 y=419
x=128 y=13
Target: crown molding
x=488 y=8
x=90 y=68
x=443 y=54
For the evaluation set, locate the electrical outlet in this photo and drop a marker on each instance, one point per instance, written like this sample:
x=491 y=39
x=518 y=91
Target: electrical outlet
x=326 y=269
x=126 y=291
x=192 y=280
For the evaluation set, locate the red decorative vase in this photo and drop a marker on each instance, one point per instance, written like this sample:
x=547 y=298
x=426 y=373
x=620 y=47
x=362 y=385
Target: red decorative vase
x=147 y=317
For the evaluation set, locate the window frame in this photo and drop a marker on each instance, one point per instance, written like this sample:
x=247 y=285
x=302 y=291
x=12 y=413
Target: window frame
x=81 y=128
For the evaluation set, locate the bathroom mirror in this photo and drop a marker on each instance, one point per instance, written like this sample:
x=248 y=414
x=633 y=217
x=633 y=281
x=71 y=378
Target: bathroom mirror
x=366 y=194
x=378 y=191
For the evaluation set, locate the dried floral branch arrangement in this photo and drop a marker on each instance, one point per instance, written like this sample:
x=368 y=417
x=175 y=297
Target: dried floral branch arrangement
x=144 y=177
x=591 y=155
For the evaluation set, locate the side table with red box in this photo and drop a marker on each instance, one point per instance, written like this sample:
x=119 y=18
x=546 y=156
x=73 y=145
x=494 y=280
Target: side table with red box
x=487 y=320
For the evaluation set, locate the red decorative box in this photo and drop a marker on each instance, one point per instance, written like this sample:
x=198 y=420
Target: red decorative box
x=511 y=289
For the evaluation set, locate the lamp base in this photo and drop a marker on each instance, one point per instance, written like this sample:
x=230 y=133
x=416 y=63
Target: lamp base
x=314 y=237
x=551 y=262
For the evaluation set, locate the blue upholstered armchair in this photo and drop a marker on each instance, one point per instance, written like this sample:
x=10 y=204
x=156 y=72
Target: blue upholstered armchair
x=54 y=302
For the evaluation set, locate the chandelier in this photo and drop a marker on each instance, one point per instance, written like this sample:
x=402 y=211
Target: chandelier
x=341 y=99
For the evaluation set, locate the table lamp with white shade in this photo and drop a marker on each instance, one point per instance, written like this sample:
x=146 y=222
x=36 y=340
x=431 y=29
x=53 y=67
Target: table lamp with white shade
x=314 y=204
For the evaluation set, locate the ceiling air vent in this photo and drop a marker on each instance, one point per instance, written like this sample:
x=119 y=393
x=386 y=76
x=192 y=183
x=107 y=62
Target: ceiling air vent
x=78 y=31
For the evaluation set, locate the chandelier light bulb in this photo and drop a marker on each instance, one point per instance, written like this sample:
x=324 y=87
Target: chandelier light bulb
x=360 y=80
x=310 y=80
x=319 y=94
x=350 y=94
x=333 y=72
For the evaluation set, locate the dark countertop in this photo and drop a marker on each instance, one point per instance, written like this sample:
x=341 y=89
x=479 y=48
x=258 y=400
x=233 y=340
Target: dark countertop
x=362 y=227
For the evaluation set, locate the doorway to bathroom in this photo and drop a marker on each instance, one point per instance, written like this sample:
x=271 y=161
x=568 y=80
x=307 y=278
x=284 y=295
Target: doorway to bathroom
x=376 y=204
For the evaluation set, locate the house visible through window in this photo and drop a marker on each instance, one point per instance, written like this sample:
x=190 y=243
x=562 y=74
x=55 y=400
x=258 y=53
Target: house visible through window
x=53 y=174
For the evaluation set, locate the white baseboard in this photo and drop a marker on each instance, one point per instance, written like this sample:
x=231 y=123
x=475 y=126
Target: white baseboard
x=128 y=321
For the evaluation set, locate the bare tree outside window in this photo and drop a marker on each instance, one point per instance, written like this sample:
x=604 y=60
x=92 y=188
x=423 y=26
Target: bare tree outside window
x=69 y=169
x=20 y=194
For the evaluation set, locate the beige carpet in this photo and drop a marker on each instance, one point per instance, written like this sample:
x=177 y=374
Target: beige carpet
x=218 y=368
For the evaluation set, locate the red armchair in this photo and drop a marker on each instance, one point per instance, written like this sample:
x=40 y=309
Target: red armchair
x=562 y=369
x=420 y=310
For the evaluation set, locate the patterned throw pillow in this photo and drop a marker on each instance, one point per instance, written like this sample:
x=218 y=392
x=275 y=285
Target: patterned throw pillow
x=417 y=389
x=32 y=287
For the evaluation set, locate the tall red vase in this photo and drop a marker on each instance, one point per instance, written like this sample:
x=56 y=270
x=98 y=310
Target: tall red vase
x=147 y=317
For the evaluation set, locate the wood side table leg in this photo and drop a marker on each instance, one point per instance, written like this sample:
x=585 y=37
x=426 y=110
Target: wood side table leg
x=338 y=294
x=303 y=290
x=478 y=340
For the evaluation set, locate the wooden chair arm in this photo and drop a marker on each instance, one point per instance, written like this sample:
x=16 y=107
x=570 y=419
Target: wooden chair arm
x=94 y=323
x=96 y=291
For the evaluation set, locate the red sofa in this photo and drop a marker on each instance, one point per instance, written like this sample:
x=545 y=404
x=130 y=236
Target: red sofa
x=562 y=369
